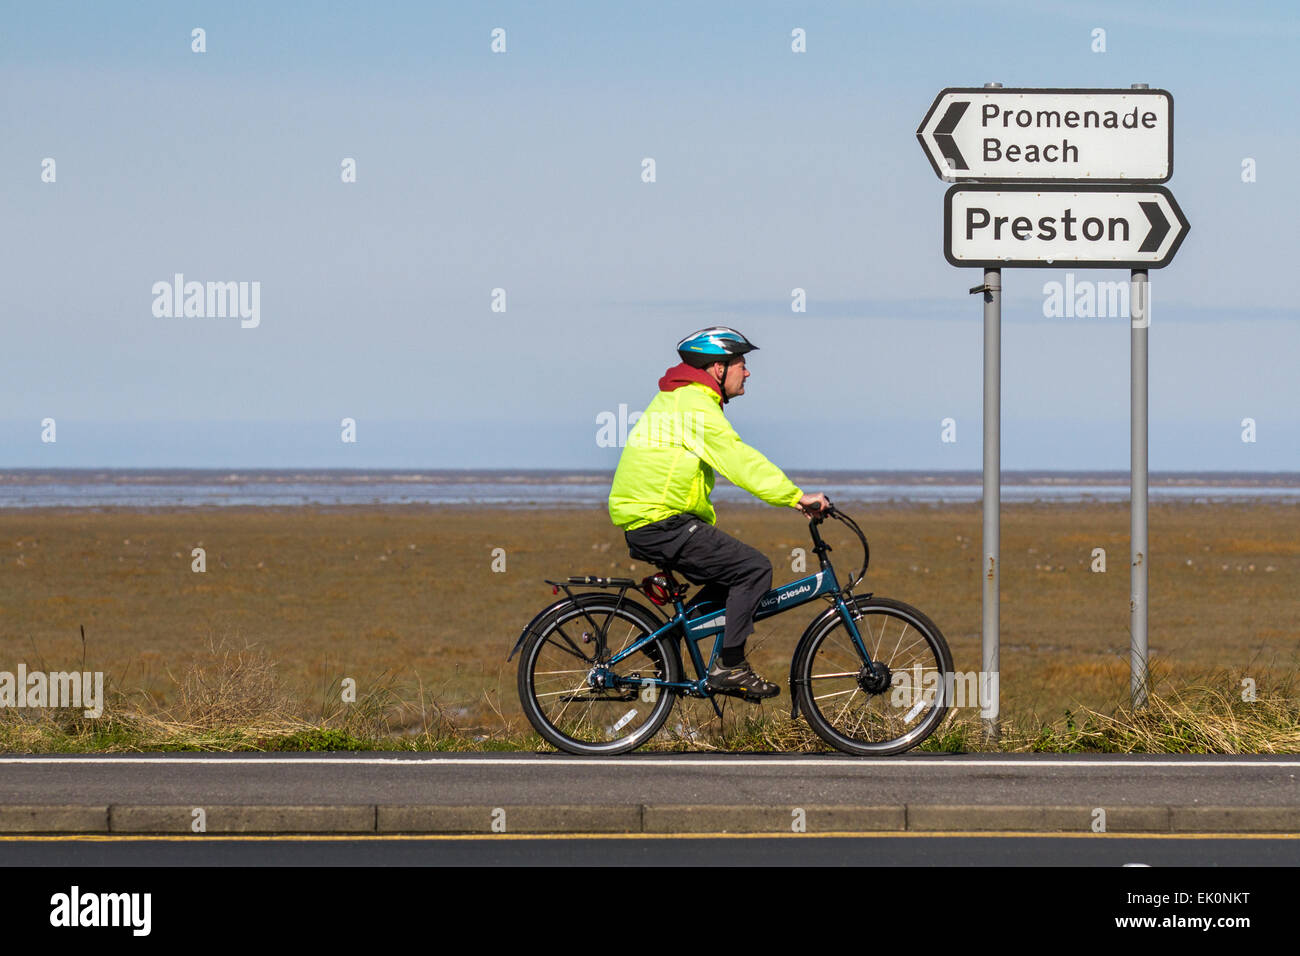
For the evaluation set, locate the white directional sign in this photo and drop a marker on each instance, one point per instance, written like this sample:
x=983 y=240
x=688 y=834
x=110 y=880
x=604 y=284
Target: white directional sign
x=982 y=134
x=1114 y=227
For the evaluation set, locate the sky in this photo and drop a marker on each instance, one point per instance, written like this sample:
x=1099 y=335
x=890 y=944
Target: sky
x=522 y=171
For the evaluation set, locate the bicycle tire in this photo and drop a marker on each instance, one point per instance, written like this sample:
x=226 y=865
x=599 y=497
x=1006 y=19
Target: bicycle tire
x=597 y=726
x=884 y=722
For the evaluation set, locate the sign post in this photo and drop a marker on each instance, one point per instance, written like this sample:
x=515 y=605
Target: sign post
x=1139 y=310
x=1059 y=177
x=991 y=595
x=990 y=699
x=1140 y=322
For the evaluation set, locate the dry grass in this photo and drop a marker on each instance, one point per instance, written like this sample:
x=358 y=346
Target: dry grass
x=232 y=698
x=233 y=701
x=235 y=687
x=403 y=602
x=1206 y=716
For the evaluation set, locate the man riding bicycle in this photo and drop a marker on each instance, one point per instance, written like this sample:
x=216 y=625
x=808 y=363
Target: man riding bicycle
x=660 y=495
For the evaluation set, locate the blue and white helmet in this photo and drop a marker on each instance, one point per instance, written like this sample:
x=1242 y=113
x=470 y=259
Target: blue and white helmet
x=707 y=346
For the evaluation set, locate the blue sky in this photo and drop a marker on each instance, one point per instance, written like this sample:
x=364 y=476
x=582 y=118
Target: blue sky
x=521 y=171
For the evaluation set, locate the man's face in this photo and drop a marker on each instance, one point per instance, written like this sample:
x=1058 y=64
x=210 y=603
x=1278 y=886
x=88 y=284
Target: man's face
x=733 y=377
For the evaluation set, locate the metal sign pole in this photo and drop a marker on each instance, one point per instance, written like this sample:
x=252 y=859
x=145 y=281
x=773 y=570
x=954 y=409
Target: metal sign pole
x=989 y=695
x=1140 y=310
x=990 y=571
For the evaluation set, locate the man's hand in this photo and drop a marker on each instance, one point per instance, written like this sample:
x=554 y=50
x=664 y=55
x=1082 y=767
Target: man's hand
x=814 y=504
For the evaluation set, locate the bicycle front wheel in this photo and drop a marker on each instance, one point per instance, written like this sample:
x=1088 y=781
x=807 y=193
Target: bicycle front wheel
x=861 y=711
x=587 y=706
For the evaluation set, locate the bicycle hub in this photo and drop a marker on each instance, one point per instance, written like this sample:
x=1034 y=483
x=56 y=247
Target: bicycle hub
x=875 y=681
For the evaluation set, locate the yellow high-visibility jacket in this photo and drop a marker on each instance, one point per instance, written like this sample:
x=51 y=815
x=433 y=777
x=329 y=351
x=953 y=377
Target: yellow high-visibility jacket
x=672 y=453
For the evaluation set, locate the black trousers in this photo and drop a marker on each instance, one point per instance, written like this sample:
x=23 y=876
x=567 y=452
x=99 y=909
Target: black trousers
x=731 y=571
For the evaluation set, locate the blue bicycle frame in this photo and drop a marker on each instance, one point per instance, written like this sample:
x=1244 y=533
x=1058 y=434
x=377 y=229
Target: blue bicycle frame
x=709 y=619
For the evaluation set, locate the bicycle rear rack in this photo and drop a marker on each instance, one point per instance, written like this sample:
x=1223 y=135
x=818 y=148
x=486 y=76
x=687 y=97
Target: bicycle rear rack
x=591 y=581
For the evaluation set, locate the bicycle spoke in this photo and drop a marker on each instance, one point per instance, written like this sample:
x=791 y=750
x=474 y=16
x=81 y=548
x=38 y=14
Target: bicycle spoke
x=894 y=656
x=836 y=693
x=875 y=648
x=560 y=715
x=849 y=701
x=576 y=651
x=899 y=651
x=632 y=637
x=556 y=693
x=845 y=659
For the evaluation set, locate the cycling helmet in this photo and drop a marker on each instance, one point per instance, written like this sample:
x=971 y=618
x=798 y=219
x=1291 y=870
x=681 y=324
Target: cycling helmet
x=707 y=346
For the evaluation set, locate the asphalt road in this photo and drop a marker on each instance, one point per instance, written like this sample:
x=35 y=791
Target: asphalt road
x=756 y=851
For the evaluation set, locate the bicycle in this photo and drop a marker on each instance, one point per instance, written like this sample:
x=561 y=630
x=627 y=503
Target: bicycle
x=587 y=698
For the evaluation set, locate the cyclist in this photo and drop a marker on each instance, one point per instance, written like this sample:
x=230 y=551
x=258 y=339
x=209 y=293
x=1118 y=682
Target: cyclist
x=660 y=495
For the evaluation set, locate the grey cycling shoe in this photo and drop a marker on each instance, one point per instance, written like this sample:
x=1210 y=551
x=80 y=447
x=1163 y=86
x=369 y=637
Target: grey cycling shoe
x=740 y=681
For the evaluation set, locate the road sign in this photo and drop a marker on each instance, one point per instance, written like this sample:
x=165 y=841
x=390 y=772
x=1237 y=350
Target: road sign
x=981 y=134
x=1100 y=227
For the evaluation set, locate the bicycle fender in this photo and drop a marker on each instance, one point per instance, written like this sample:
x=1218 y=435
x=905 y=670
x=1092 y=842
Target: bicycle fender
x=578 y=601
x=817 y=623
x=528 y=628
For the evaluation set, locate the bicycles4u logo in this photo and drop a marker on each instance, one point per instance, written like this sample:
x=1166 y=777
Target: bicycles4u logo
x=792 y=591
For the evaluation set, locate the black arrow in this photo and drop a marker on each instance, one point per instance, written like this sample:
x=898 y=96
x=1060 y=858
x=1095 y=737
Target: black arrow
x=943 y=135
x=1159 y=227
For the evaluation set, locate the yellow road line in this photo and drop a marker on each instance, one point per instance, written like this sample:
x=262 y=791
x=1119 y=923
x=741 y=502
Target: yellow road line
x=335 y=837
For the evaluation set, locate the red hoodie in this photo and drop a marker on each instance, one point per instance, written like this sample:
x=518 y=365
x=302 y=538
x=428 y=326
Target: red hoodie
x=683 y=374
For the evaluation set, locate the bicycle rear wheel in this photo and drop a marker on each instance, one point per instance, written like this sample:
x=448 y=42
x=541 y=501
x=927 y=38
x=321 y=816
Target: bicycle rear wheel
x=869 y=713
x=586 y=706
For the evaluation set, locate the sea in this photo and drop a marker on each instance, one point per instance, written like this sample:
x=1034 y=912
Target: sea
x=288 y=488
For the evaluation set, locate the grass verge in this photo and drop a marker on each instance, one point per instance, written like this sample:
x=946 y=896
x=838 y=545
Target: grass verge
x=231 y=700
